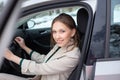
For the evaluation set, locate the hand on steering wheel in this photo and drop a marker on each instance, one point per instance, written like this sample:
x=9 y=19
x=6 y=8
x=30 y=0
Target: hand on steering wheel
x=20 y=41
x=17 y=48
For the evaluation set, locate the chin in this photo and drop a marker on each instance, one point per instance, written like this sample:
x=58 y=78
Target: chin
x=60 y=45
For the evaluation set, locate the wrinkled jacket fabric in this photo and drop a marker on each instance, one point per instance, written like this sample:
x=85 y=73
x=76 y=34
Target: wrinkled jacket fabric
x=58 y=67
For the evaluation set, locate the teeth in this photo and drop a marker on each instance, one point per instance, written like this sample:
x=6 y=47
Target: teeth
x=59 y=41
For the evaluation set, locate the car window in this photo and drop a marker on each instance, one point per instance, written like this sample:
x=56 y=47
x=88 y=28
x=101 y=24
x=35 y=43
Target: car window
x=115 y=29
x=43 y=19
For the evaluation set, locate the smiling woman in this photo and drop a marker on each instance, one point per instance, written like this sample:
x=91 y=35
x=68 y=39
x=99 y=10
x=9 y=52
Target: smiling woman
x=35 y=29
x=99 y=30
x=59 y=62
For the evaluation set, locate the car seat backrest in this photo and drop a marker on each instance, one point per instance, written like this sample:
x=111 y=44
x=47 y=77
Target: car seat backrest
x=82 y=20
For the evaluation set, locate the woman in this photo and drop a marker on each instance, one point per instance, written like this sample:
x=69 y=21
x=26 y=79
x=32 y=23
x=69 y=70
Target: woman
x=59 y=62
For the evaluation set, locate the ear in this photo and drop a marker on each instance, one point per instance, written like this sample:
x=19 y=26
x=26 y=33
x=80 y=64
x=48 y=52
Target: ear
x=73 y=32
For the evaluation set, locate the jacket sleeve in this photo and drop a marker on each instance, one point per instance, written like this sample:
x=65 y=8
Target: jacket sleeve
x=64 y=63
x=37 y=57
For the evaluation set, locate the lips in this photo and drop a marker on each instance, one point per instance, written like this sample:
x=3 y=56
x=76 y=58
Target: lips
x=59 y=41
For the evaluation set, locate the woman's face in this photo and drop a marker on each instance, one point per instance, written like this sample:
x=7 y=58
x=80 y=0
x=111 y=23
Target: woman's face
x=62 y=34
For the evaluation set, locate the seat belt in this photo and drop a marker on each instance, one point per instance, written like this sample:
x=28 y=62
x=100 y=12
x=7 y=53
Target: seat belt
x=52 y=54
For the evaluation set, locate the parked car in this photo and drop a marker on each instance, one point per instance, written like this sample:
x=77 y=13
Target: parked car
x=97 y=21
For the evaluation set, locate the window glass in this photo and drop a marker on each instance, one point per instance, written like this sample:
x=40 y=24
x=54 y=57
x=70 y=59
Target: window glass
x=115 y=29
x=44 y=19
x=116 y=13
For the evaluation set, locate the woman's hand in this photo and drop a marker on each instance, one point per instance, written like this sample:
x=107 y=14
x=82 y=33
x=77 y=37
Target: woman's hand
x=11 y=57
x=20 y=41
x=8 y=55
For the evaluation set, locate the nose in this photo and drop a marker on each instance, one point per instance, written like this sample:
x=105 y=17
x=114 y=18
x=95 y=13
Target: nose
x=57 y=36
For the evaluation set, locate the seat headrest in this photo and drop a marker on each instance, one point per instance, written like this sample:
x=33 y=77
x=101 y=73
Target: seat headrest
x=82 y=20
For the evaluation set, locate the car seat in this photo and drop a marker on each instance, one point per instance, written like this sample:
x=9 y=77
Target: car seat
x=82 y=20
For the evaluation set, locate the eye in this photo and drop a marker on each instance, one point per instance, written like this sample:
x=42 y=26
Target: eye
x=53 y=32
x=62 y=31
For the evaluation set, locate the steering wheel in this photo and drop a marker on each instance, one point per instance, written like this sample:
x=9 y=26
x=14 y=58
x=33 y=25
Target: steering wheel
x=17 y=50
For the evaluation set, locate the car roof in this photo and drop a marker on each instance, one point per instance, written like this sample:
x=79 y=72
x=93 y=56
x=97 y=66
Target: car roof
x=32 y=2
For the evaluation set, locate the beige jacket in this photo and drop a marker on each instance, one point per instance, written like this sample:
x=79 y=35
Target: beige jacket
x=59 y=66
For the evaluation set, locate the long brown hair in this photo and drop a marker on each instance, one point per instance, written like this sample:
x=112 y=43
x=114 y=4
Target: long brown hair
x=70 y=23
